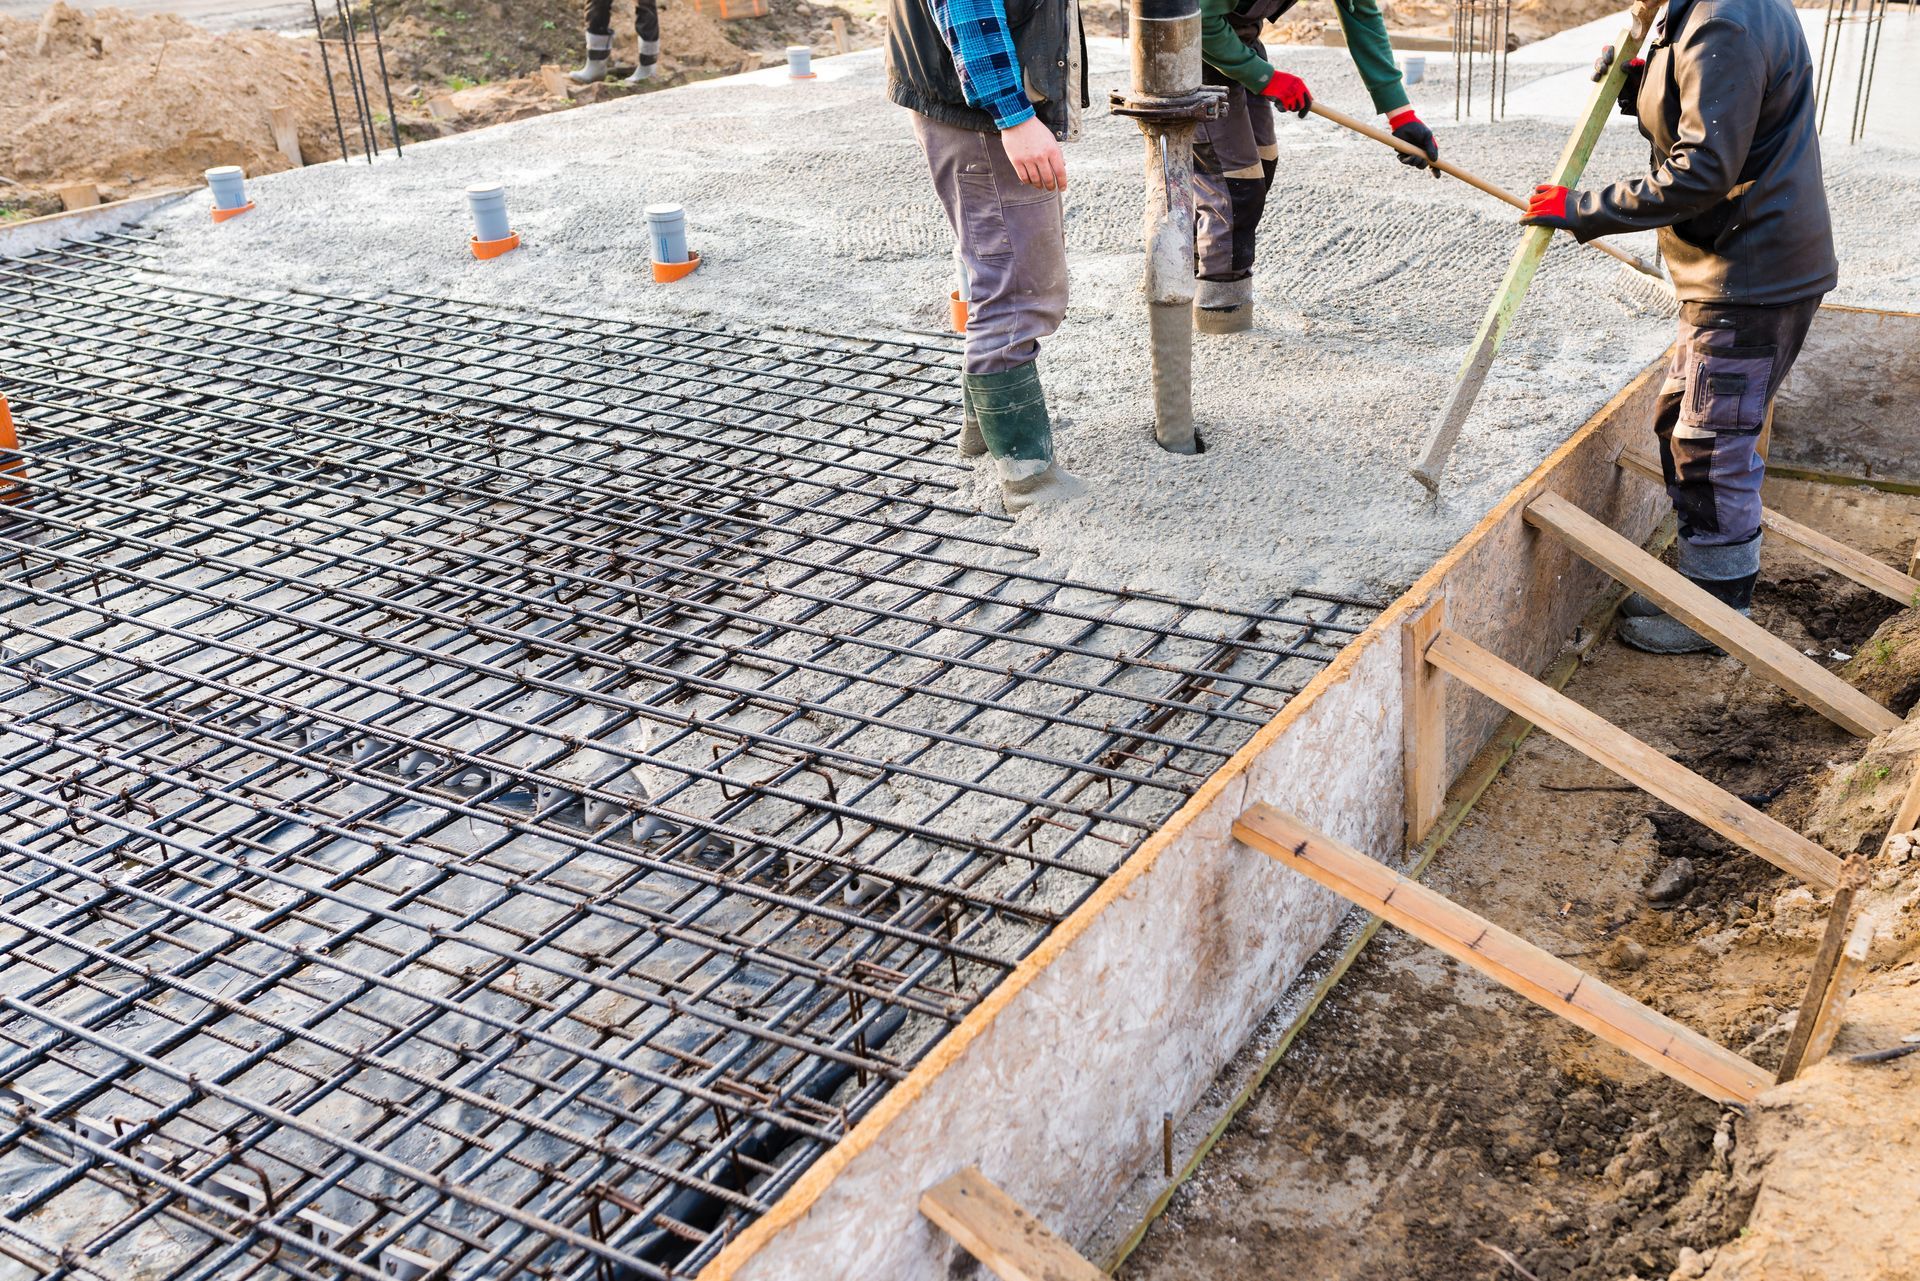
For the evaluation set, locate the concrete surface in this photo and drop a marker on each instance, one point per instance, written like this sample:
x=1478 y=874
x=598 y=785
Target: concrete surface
x=810 y=203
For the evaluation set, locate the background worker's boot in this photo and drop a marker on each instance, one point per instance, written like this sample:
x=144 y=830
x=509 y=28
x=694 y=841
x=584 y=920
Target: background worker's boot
x=1223 y=306
x=599 y=52
x=1725 y=573
x=647 y=63
x=972 y=443
x=1012 y=410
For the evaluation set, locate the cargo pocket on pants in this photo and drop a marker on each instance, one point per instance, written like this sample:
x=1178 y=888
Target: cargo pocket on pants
x=1727 y=389
x=983 y=224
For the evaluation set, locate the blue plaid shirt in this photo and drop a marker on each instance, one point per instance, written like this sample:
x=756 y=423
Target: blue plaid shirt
x=982 y=47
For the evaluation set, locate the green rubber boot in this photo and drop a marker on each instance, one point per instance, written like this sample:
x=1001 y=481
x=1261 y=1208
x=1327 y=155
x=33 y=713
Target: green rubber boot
x=1011 y=408
x=972 y=443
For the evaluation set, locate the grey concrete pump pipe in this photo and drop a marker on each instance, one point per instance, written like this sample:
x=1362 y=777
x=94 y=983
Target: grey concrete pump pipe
x=1167 y=100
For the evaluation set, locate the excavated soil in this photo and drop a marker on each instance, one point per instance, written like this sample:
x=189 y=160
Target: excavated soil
x=1430 y=1123
x=134 y=103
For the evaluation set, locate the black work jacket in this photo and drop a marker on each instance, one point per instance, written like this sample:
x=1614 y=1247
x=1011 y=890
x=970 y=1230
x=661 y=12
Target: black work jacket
x=921 y=75
x=1735 y=190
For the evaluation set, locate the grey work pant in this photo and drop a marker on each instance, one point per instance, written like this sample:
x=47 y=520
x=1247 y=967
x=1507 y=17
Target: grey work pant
x=1728 y=361
x=1012 y=242
x=1232 y=159
x=646 y=22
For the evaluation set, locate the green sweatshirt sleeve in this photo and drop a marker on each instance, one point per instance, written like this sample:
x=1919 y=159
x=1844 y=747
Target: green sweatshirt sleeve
x=1227 y=53
x=1372 y=52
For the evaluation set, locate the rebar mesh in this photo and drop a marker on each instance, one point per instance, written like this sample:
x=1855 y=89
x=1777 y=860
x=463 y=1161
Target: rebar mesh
x=498 y=794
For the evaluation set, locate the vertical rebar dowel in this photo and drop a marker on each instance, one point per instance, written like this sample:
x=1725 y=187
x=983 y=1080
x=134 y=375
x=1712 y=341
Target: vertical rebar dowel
x=1869 y=58
x=356 y=78
x=1506 y=54
x=1473 y=24
x=1454 y=33
x=1829 y=58
x=386 y=83
x=326 y=72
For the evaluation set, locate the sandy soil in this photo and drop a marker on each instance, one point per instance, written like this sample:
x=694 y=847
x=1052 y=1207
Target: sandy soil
x=1428 y=1120
x=135 y=101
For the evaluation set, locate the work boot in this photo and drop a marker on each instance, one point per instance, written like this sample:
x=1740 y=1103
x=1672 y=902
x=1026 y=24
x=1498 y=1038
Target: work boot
x=1725 y=573
x=646 y=64
x=1223 y=306
x=599 y=53
x=1011 y=408
x=972 y=443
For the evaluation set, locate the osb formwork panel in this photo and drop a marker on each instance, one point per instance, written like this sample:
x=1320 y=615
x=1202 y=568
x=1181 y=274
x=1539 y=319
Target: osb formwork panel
x=1054 y=1086
x=1851 y=406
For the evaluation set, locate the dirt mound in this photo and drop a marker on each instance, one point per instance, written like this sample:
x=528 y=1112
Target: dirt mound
x=132 y=103
x=431 y=48
x=136 y=103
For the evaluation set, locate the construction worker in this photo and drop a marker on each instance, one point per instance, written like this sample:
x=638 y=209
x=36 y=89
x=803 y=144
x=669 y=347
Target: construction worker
x=1725 y=95
x=646 y=25
x=992 y=101
x=1234 y=157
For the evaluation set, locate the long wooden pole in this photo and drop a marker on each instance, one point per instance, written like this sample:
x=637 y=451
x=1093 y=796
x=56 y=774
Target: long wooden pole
x=1526 y=260
x=1452 y=170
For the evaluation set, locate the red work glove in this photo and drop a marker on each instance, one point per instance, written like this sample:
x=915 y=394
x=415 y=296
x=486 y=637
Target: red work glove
x=1550 y=207
x=1407 y=127
x=1290 y=92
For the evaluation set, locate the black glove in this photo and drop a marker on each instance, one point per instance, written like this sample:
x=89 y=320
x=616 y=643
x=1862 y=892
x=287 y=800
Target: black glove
x=1408 y=127
x=1629 y=99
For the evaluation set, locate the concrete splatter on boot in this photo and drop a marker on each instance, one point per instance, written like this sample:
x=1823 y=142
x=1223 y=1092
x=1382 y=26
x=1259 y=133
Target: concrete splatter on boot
x=1011 y=408
x=1726 y=573
x=647 y=64
x=972 y=443
x=599 y=53
x=1223 y=306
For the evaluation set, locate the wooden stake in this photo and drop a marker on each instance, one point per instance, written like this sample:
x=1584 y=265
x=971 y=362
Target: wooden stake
x=286 y=134
x=1825 y=961
x=991 y=1227
x=1634 y=761
x=1424 y=722
x=1833 y=1009
x=1541 y=977
x=839 y=35
x=1772 y=657
x=1827 y=552
x=1907 y=817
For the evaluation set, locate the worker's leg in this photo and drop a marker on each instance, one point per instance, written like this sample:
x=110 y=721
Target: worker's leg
x=1227 y=185
x=1013 y=244
x=1728 y=362
x=646 y=25
x=599 y=43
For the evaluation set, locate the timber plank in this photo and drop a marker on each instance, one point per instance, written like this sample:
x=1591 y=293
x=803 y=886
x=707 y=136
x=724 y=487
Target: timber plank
x=993 y=1228
x=1534 y=973
x=1633 y=760
x=1786 y=666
